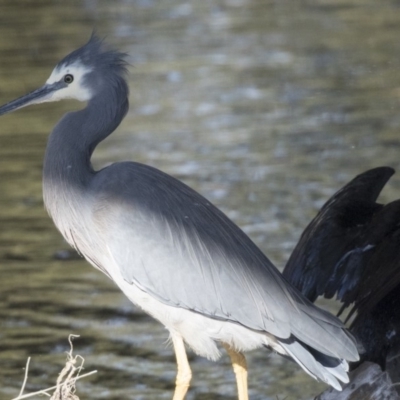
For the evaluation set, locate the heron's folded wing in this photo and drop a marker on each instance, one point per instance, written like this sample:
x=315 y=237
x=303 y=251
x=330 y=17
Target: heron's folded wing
x=175 y=245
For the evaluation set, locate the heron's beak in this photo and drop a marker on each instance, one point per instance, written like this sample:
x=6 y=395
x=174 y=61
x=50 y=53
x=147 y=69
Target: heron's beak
x=41 y=95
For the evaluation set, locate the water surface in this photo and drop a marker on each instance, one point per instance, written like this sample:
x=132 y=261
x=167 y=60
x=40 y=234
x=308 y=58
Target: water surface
x=264 y=107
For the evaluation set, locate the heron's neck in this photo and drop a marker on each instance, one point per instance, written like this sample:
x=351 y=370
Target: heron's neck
x=67 y=168
x=73 y=140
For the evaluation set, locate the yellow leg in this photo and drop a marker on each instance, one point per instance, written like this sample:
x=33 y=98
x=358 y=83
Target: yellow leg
x=184 y=374
x=240 y=368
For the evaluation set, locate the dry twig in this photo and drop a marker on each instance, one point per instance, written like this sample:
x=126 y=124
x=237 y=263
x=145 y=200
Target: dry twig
x=65 y=388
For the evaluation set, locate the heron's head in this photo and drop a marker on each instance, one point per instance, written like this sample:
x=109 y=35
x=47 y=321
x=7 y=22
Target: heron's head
x=80 y=75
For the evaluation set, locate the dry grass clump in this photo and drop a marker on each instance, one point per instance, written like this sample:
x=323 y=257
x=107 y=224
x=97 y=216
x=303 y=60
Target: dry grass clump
x=65 y=388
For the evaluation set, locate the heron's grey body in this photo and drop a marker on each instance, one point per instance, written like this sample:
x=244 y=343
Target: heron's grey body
x=170 y=250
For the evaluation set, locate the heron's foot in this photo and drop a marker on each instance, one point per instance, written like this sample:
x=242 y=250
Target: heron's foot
x=240 y=368
x=182 y=384
x=184 y=374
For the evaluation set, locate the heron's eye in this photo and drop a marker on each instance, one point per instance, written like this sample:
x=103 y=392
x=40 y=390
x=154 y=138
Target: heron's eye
x=68 y=78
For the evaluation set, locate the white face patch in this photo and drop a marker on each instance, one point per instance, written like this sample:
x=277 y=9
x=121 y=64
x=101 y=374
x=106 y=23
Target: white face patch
x=75 y=89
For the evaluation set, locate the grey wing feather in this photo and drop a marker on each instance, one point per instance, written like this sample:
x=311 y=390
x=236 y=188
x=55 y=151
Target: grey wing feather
x=320 y=366
x=182 y=250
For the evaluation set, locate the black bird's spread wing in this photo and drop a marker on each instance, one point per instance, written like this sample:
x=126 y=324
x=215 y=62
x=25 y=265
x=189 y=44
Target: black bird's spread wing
x=352 y=248
x=333 y=250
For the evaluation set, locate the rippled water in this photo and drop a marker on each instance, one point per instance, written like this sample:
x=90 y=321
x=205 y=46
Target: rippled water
x=265 y=107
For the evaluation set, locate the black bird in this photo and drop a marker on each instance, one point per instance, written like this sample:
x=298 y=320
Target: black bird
x=352 y=249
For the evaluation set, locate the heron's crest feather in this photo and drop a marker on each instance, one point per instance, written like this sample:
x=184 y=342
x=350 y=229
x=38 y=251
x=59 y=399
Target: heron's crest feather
x=95 y=53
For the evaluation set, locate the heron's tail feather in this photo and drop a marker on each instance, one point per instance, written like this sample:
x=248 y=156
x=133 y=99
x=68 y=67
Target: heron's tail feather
x=320 y=366
x=323 y=332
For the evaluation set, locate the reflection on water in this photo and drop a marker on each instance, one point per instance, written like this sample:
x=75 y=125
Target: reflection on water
x=264 y=107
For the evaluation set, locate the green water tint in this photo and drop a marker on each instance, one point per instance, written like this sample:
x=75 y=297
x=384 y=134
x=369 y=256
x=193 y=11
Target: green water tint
x=266 y=108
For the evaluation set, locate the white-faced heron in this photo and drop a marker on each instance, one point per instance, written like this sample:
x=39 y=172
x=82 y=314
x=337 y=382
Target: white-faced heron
x=171 y=251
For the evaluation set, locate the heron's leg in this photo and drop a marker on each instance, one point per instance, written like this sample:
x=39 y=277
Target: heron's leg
x=184 y=374
x=240 y=368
